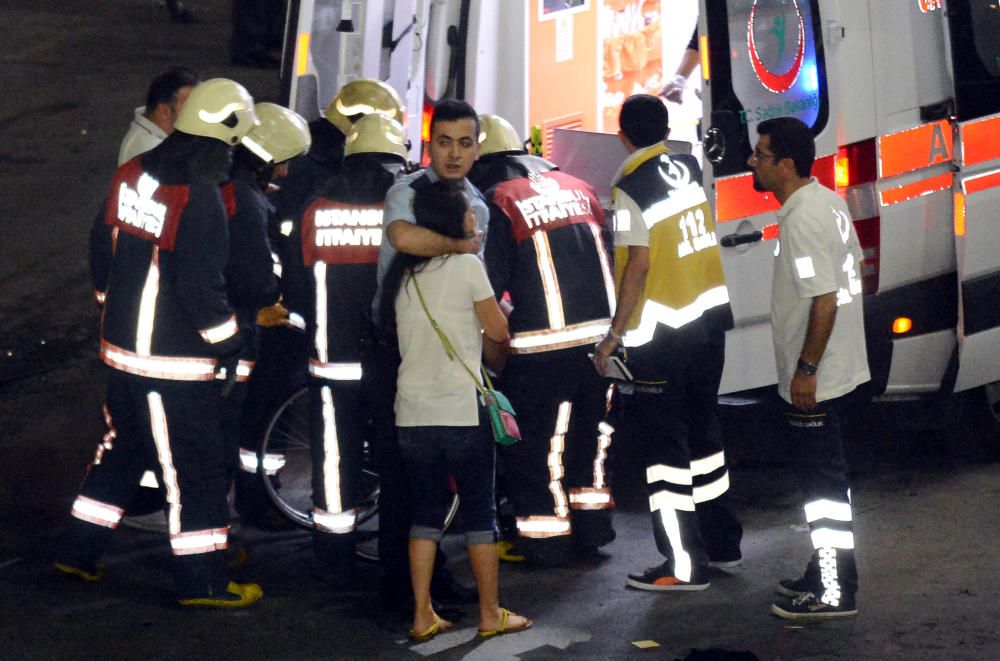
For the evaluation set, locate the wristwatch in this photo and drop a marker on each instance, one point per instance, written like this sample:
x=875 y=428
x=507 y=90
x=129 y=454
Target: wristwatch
x=809 y=369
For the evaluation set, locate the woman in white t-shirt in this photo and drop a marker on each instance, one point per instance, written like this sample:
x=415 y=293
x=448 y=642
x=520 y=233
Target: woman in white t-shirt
x=442 y=425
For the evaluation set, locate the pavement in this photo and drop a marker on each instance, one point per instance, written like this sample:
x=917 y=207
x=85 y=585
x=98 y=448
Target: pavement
x=72 y=73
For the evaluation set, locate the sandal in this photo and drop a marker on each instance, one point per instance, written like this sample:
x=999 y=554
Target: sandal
x=439 y=626
x=503 y=628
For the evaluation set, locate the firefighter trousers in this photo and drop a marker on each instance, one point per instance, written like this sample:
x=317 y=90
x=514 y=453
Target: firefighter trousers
x=337 y=430
x=674 y=412
x=557 y=475
x=173 y=425
x=822 y=472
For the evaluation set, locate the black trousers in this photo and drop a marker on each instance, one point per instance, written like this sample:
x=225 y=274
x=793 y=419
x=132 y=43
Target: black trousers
x=822 y=471
x=279 y=370
x=557 y=475
x=380 y=367
x=173 y=425
x=674 y=409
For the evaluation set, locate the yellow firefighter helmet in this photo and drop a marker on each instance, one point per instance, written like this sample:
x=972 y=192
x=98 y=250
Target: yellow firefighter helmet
x=282 y=134
x=363 y=96
x=217 y=108
x=497 y=136
x=377 y=134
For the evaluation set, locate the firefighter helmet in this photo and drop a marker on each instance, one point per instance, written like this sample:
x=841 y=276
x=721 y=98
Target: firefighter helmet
x=218 y=108
x=497 y=136
x=377 y=134
x=363 y=96
x=282 y=134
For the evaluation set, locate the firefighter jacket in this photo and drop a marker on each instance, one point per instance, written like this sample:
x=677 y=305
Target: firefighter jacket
x=158 y=253
x=659 y=195
x=251 y=281
x=546 y=248
x=331 y=281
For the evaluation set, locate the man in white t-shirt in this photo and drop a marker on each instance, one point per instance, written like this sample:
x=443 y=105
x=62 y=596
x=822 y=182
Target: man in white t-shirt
x=155 y=121
x=819 y=346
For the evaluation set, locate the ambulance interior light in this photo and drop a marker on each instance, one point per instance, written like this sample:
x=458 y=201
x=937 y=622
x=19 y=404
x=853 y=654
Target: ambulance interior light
x=703 y=49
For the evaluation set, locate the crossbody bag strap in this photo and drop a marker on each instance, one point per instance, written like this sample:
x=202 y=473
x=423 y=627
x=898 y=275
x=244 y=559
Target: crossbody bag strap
x=449 y=348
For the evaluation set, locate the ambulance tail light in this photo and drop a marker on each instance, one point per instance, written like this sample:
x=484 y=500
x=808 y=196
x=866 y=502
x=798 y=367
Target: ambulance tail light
x=425 y=132
x=856 y=171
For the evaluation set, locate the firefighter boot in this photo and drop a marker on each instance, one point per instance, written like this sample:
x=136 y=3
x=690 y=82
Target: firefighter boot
x=201 y=582
x=592 y=529
x=335 y=559
x=79 y=549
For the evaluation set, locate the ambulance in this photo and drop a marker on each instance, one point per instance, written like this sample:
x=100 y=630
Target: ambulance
x=903 y=97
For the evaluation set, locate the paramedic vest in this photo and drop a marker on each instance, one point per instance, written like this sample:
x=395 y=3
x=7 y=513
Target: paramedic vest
x=165 y=308
x=560 y=279
x=685 y=281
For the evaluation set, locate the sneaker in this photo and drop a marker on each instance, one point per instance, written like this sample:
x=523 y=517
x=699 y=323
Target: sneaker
x=661 y=579
x=237 y=595
x=809 y=607
x=90 y=575
x=794 y=587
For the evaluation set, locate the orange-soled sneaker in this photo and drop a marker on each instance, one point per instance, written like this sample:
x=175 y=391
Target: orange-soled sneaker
x=661 y=579
x=236 y=595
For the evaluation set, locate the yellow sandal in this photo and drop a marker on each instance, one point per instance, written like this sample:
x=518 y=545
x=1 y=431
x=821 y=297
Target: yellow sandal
x=503 y=628
x=440 y=626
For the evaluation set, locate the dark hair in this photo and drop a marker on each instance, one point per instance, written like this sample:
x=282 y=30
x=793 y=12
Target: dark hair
x=440 y=207
x=164 y=87
x=452 y=110
x=644 y=120
x=791 y=138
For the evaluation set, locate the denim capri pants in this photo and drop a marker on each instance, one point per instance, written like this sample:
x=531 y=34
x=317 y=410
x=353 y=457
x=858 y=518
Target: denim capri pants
x=430 y=455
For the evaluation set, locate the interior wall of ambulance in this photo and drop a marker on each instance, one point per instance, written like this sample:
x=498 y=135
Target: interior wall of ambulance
x=588 y=56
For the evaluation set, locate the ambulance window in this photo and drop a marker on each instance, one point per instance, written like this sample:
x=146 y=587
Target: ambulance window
x=975 y=43
x=766 y=61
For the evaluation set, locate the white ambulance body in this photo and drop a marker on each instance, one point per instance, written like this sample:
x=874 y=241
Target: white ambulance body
x=903 y=97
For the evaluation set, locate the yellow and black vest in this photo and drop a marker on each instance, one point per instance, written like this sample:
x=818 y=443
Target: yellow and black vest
x=685 y=281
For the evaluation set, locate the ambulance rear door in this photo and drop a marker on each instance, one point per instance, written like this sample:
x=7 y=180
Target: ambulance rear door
x=974 y=45
x=761 y=59
x=331 y=42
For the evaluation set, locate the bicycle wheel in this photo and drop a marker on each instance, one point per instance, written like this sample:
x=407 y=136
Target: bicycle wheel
x=285 y=462
x=284 y=459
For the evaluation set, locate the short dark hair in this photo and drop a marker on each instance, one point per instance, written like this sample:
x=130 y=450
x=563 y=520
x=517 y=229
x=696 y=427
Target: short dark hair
x=165 y=86
x=452 y=110
x=791 y=138
x=644 y=120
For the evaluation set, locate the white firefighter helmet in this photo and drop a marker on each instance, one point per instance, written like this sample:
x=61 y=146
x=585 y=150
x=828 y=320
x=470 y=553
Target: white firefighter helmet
x=377 y=134
x=217 y=108
x=497 y=136
x=281 y=134
x=363 y=96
